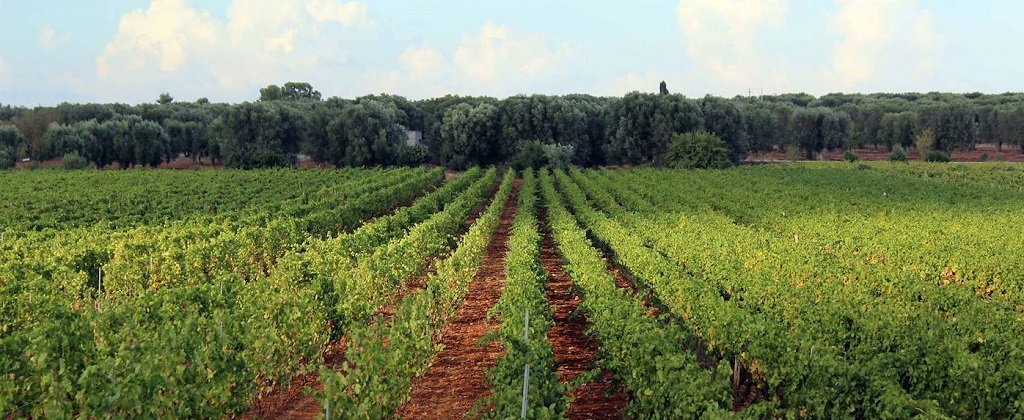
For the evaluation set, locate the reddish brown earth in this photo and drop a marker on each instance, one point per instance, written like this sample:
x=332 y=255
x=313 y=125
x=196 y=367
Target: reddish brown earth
x=455 y=380
x=292 y=402
x=1009 y=154
x=575 y=351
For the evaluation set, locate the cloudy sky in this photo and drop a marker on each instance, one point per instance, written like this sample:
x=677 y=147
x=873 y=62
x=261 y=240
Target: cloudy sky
x=132 y=50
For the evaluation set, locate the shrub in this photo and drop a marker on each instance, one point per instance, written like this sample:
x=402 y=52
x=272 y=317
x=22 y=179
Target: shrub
x=849 y=156
x=74 y=161
x=537 y=154
x=983 y=157
x=936 y=156
x=793 y=153
x=529 y=155
x=558 y=155
x=898 y=154
x=925 y=141
x=1000 y=157
x=699 y=149
x=7 y=158
x=411 y=155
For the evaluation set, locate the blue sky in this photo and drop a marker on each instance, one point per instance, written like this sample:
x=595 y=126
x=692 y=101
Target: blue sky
x=132 y=50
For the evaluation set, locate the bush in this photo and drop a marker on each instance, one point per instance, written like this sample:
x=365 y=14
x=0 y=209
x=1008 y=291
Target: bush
x=412 y=155
x=1000 y=157
x=74 y=161
x=983 y=157
x=536 y=154
x=558 y=155
x=936 y=156
x=697 y=150
x=793 y=153
x=530 y=155
x=7 y=158
x=898 y=154
x=849 y=156
x=925 y=141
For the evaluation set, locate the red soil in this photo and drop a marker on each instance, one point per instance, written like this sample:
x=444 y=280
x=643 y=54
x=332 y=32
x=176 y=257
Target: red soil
x=455 y=380
x=575 y=351
x=1009 y=154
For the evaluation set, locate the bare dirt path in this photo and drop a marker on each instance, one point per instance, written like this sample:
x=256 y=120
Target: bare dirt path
x=292 y=402
x=455 y=380
x=575 y=352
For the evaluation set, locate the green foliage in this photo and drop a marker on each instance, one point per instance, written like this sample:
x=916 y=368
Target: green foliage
x=531 y=154
x=377 y=378
x=793 y=153
x=75 y=161
x=165 y=98
x=898 y=154
x=936 y=156
x=10 y=140
x=640 y=126
x=925 y=141
x=983 y=157
x=524 y=292
x=724 y=119
x=291 y=91
x=467 y=136
x=664 y=380
x=365 y=134
x=7 y=158
x=850 y=156
x=239 y=292
x=697 y=150
x=255 y=135
x=412 y=155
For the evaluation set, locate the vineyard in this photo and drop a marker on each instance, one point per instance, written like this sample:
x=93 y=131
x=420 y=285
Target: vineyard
x=822 y=290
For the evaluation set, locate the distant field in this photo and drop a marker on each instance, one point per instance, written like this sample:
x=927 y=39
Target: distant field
x=818 y=290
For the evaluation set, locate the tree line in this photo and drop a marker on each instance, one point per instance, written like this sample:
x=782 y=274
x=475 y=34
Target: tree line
x=637 y=129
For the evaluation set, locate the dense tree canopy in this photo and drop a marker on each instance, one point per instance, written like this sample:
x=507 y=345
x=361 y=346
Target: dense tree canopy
x=293 y=120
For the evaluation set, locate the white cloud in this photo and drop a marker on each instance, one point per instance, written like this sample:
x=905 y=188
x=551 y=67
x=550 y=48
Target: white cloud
x=168 y=33
x=173 y=45
x=721 y=39
x=347 y=13
x=495 y=62
x=498 y=59
x=49 y=40
x=422 y=61
x=876 y=41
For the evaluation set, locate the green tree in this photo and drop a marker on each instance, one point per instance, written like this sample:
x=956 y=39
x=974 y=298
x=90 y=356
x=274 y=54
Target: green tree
x=697 y=150
x=254 y=135
x=165 y=98
x=10 y=140
x=33 y=125
x=724 y=119
x=640 y=125
x=663 y=88
x=467 y=135
x=291 y=91
x=365 y=133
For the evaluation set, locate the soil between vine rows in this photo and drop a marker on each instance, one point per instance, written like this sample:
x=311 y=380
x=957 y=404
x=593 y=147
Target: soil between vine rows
x=293 y=402
x=455 y=380
x=575 y=351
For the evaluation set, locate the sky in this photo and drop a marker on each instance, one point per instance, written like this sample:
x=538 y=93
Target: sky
x=130 y=51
